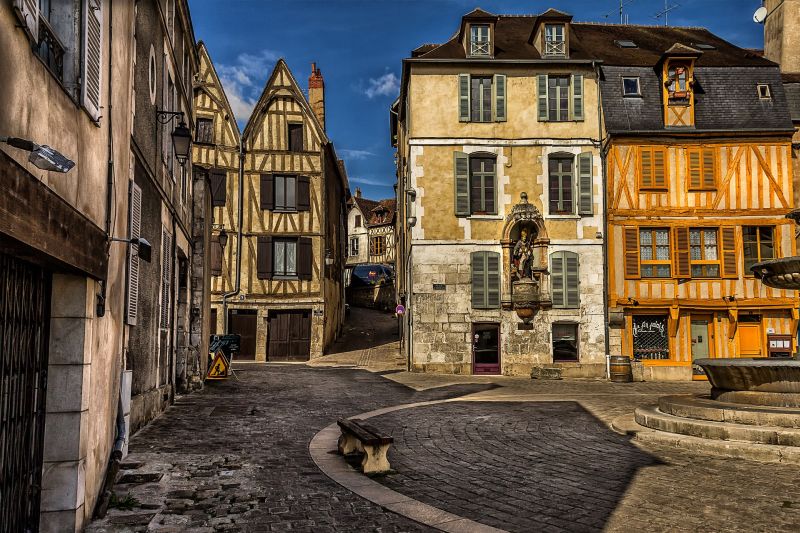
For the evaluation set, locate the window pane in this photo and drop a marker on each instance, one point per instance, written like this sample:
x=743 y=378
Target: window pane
x=280 y=258
x=280 y=192
x=647 y=253
x=290 y=192
x=662 y=253
x=749 y=233
x=696 y=253
x=662 y=237
x=697 y=271
x=291 y=258
x=694 y=237
x=712 y=271
x=645 y=237
x=647 y=271
x=765 y=233
x=663 y=271
x=767 y=250
x=630 y=86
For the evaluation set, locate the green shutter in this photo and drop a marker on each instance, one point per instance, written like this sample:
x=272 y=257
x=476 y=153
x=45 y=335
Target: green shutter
x=577 y=96
x=585 y=184
x=499 y=88
x=571 y=289
x=479 y=280
x=463 y=97
x=542 y=97
x=492 y=280
x=557 y=279
x=461 y=171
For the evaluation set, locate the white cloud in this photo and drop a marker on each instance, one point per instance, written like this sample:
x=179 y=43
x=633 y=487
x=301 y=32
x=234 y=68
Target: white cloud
x=356 y=155
x=244 y=79
x=386 y=85
x=370 y=181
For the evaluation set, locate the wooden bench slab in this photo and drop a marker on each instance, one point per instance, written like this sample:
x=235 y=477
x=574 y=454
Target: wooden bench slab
x=360 y=437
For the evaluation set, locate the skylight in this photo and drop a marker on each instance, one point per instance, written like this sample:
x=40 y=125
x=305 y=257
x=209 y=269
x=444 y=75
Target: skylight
x=705 y=46
x=626 y=44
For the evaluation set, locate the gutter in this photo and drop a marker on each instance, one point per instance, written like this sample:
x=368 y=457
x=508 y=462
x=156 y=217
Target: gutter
x=604 y=190
x=240 y=220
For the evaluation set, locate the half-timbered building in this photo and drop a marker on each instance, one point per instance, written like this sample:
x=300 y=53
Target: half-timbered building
x=281 y=286
x=699 y=178
x=370 y=230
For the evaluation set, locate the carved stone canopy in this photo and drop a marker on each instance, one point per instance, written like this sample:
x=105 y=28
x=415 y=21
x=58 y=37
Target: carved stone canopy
x=525 y=212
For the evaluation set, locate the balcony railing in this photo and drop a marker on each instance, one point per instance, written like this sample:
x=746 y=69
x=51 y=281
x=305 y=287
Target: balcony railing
x=50 y=49
x=553 y=47
x=479 y=48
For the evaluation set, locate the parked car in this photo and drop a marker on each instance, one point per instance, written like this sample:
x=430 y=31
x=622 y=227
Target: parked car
x=371 y=274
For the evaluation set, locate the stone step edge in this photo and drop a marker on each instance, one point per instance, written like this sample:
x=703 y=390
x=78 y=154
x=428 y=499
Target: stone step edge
x=749 y=451
x=653 y=418
x=699 y=407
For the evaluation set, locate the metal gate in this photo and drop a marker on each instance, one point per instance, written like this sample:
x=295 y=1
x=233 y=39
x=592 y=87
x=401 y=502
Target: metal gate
x=24 y=326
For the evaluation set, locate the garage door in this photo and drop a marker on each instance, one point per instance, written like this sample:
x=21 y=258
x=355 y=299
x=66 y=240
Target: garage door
x=289 y=337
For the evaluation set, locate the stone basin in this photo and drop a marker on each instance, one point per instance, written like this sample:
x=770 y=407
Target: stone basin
x=779 y=273
x=773 y=382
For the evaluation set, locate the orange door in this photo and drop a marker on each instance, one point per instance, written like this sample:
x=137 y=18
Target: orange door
x=750 y=340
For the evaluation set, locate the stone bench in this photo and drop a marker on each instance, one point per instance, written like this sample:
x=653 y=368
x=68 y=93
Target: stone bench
x=359 y=437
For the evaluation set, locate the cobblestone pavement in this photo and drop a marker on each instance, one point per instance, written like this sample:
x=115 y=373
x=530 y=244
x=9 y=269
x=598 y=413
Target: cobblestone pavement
x=234 y=457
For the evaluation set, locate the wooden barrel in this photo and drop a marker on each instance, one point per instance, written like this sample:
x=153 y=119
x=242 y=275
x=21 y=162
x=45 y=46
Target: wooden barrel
x=620 y=369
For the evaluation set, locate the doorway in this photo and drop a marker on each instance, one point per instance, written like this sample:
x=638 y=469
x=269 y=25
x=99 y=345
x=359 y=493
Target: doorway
x=244 y=323
x=289 y=336
x=702 y=337
x=486 y=348
x=751 y=340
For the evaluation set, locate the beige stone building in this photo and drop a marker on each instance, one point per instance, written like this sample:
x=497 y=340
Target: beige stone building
x=280 y=197
x=500 y=200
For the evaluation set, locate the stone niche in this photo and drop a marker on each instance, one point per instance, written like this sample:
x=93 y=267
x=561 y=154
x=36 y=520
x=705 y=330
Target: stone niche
x=525 y=273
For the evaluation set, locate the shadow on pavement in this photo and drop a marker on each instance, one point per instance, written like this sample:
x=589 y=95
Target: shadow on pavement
x=364 y=329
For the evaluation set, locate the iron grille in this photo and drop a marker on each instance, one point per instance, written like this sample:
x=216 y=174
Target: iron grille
x=24 y=327
x=650 y=339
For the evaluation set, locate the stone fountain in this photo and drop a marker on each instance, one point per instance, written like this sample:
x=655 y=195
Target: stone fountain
x=753 y=401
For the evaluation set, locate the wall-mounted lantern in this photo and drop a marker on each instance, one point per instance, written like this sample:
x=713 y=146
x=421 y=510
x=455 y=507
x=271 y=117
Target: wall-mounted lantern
x=143 y=247
x=181 y=135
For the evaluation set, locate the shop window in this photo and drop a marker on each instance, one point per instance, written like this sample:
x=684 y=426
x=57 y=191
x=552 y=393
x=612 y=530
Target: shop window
x=565 y=342
x=649 y=333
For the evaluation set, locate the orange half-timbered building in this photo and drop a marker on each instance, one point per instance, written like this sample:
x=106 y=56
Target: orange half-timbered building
x=698 y=183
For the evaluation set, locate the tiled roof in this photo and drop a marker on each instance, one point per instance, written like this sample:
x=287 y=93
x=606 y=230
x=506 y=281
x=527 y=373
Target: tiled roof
x=792 y=90
x=376 y=213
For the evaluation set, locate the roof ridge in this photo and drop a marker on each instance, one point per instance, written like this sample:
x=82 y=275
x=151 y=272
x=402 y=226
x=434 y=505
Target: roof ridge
x=592 y=23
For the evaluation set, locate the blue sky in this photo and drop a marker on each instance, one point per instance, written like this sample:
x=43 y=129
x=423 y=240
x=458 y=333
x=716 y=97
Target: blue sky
x=359 y=45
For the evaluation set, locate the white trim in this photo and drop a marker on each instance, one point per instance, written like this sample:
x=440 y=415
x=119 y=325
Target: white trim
x=501 y=142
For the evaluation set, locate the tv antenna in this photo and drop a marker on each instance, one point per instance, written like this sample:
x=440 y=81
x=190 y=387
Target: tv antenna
x=665 y=13
x=623 y=18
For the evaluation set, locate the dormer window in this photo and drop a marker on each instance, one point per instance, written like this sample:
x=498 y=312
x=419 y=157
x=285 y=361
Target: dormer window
x=554 y=41
x=479 y=42
x=678 y=83
x=763 y=91
x=630 y=87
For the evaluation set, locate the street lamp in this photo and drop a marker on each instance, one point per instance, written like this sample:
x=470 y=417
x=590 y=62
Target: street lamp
x=223 y=238
x=143 y=247
x=181 y=135
x=42 y=156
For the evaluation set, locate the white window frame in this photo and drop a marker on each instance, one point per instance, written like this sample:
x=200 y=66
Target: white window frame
x=553 y=46
x=638 y=86
x=479 y=47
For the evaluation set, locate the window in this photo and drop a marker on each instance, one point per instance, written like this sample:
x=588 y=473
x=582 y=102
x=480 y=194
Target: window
x=481 y=185
x=560 y=97
x=565 y=342
x=561 y=186
x=285 y=257
x=219 y=188
x=353 y=246
x=764 y=92
x=704 y=46
x=703 y=253
x=479 y=40
x=652 y=167
x=702 y=168
x=654 y=253
x=285 y=193
x=630 y=87
x=650 y=339
x=204 y=132
x=295 y=137
x=482 y=98
x=216 y=256
x=377 y=245
x=554 y=43
x=678 y=83
x=485 y=280
x=564 y=284
x=358 y=221
x=624 y=43
x=759 y=245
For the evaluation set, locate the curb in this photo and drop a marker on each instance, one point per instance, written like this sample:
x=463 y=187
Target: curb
x=335 y=467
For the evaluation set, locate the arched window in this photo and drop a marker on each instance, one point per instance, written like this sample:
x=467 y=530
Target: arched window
x=564 y=284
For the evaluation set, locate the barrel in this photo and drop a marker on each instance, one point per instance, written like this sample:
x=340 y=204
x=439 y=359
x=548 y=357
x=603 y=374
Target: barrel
x=620 y=369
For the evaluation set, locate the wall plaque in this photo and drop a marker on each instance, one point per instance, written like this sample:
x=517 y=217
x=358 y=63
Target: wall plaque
x=439 y=286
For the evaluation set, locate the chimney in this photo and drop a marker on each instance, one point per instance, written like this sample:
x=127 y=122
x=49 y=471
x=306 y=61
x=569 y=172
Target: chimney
x=358 y=192
x=781 y=36
x=316 y=93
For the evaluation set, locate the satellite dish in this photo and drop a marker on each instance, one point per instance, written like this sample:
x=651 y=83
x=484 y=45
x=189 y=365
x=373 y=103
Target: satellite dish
x=760 y=15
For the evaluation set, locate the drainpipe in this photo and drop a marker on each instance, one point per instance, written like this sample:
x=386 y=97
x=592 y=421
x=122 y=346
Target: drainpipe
x=240 y=220
x=605 y=219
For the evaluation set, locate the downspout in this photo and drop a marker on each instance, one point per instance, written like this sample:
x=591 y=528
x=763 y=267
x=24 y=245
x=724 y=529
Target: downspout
x=240 y=220
x=605 y=219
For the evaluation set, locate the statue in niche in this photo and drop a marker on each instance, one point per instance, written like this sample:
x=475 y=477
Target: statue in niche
x=522 y=256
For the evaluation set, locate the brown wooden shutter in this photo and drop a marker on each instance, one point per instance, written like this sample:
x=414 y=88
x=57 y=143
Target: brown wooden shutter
x=264 y=257
x=683 y=267
x=219 y=188
x=694 y=169
x=216 y=256
x=91 y=64
x=659 y=168
x=267 y=191
x=709 y=168
x=646 y=167
x=303 y=193
x=631 y=253
x=295 y=137
x=729 y=252
x=305 y=257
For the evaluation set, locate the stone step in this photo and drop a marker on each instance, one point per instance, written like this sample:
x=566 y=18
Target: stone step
x=653 y=418
x=765 y=453
x=704 y=408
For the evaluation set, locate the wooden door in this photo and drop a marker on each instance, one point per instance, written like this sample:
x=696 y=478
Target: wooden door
x=750 y=340
x=213 y=322
x=289 y=337
x=486 y=349
x=244 y=323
